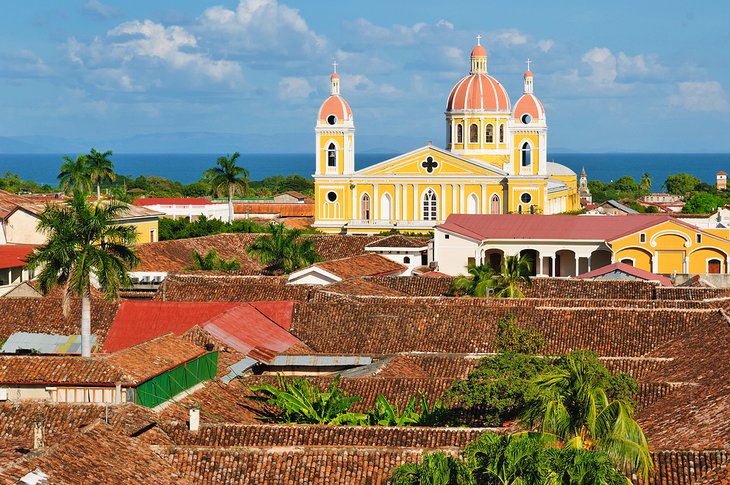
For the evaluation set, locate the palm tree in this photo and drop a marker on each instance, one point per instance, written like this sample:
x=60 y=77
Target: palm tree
x=478 y=283
x=435 y=469
x=75 y=174
x=514 y=273
x=283 y=251
x=213 y=262
x=100 y=168
x=84 y=241
x=573 y=407
x=509 y=459
x=228 y=178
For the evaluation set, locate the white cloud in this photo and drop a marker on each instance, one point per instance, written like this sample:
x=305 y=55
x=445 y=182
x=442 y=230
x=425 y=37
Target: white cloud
x=294 y=88
x=257 y=26
x=23 y=64
x=95 y=8
x=141 y=54
x=700 y=96
x=545 y=45
x=507 y=38
x=601 y=64
x=399 y=35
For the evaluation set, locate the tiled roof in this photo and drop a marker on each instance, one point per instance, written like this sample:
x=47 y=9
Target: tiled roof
x=358 y=286
x=206 y=288
x=284 y=210
x=685 y=467
x=99 y=455
x=380 y=328
x=414 y=285
x=628 y=269
x=399 y=241
x=45 y=315
x=719 y=475
x=175 y=255
x=147 y=201
x=361 y=265
x=60 y=421
x=608 y=290
x=555 y=227
x=131 y=366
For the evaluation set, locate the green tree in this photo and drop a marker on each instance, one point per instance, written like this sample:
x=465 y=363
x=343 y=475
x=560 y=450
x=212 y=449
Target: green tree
x=645 y=183
x=84 y=240
x=436 y=469
x=228 y=178
x=702 y=203
x=213 y=262
x=511 y=338
x=514 y=274
x=100 y=169
x=509 y=459
x=574 y=406
x=681 y=183
x=283 y=251
x=75 y=175
x=479 y=281
x=300 y=401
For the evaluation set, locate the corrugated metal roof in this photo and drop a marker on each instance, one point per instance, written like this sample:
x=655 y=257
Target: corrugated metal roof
x=44 y=343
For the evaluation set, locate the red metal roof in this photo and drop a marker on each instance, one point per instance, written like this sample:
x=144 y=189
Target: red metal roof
x=628 y=269
x=147 y=201
x=257 y=328
x=554 y=227
x=13 y=255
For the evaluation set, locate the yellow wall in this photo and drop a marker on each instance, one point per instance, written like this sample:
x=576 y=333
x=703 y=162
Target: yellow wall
x=671 y=247
x=143 y=229
x=338 y=138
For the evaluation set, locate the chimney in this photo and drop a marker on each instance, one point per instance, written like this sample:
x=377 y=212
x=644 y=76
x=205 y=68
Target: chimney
x=38 y=434
x=194 y=421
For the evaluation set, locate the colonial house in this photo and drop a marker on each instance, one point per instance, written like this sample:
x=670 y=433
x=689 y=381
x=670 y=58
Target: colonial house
x=564 y=245
x=188 y=207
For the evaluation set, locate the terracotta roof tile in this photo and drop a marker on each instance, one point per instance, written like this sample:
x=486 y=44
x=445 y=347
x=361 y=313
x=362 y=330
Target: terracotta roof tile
x=399 y=241
x=206 y=288
x=361 y=265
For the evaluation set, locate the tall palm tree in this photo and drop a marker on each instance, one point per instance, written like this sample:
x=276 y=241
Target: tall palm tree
x=477 y=283
x=100 y=168
x=283 y=251
x=84 y=241
x=514 y=273
x=75 y=174
x=228 y=178
x=573 y=406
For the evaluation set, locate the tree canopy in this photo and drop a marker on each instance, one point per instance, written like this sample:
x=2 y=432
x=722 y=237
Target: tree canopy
x=681 y=183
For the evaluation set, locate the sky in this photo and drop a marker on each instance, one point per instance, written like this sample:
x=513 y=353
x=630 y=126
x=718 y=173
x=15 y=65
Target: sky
x=620 y=76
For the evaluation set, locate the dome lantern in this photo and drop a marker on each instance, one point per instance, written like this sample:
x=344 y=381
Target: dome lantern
x=478 y=58
x=334 y=80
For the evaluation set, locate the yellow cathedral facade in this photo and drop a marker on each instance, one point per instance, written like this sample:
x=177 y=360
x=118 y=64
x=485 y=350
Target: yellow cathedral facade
x=494 y=162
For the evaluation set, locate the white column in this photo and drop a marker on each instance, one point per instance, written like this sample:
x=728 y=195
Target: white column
x=375 y=206
x=462 y=207
x=555 y=265
x=397 y=190
x=404 y=205
x=484 y=198
x=354 y=204
x=538 y=270
x=453 y=199
x=482 y=133
x=416 y=206
x=442 y=202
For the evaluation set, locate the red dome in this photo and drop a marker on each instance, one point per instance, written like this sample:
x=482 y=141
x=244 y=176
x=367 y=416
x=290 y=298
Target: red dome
x=478 y=51
x=334 y=76
x=530 y=105
x=335 y=105
x=478 y=92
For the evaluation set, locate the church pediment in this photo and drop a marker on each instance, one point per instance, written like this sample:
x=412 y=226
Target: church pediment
x=430 y=161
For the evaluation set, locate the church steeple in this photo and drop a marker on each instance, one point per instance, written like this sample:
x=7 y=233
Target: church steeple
x=334 y=81
x=478 y=58
x=528 y=79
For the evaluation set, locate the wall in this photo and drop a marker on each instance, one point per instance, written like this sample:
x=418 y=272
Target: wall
x=452 y=254
x=22 y=228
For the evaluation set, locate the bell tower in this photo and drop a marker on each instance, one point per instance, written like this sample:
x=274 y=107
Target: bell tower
x=335 y=133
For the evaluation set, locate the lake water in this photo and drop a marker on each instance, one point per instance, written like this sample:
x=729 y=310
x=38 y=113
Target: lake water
x=187 y=168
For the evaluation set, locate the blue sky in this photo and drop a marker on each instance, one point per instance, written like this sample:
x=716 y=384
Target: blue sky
x=613 y=76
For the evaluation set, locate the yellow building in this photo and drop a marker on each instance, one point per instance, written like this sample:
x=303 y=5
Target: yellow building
x=569 y=245
x=495 y=162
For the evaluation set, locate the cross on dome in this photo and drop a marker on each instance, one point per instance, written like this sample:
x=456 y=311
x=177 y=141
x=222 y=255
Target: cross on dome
x=479 y=39
x=334 y=66
x=528 y=63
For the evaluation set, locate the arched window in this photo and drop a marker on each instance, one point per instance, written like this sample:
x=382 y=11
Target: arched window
x=430 y=206
x=472 y=204
x=495 y=205
x=489 y=134
x=501 y=133
x=459 y=133
x=532 y=209
x=332 y=155
x=519 y=209
x=449 y=134
x=365 y=207
x=473 y=133
x=526 y=154
x=406 y=259
x=385 y=207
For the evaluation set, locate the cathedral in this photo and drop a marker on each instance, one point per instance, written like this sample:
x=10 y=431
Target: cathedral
x=494 y=162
